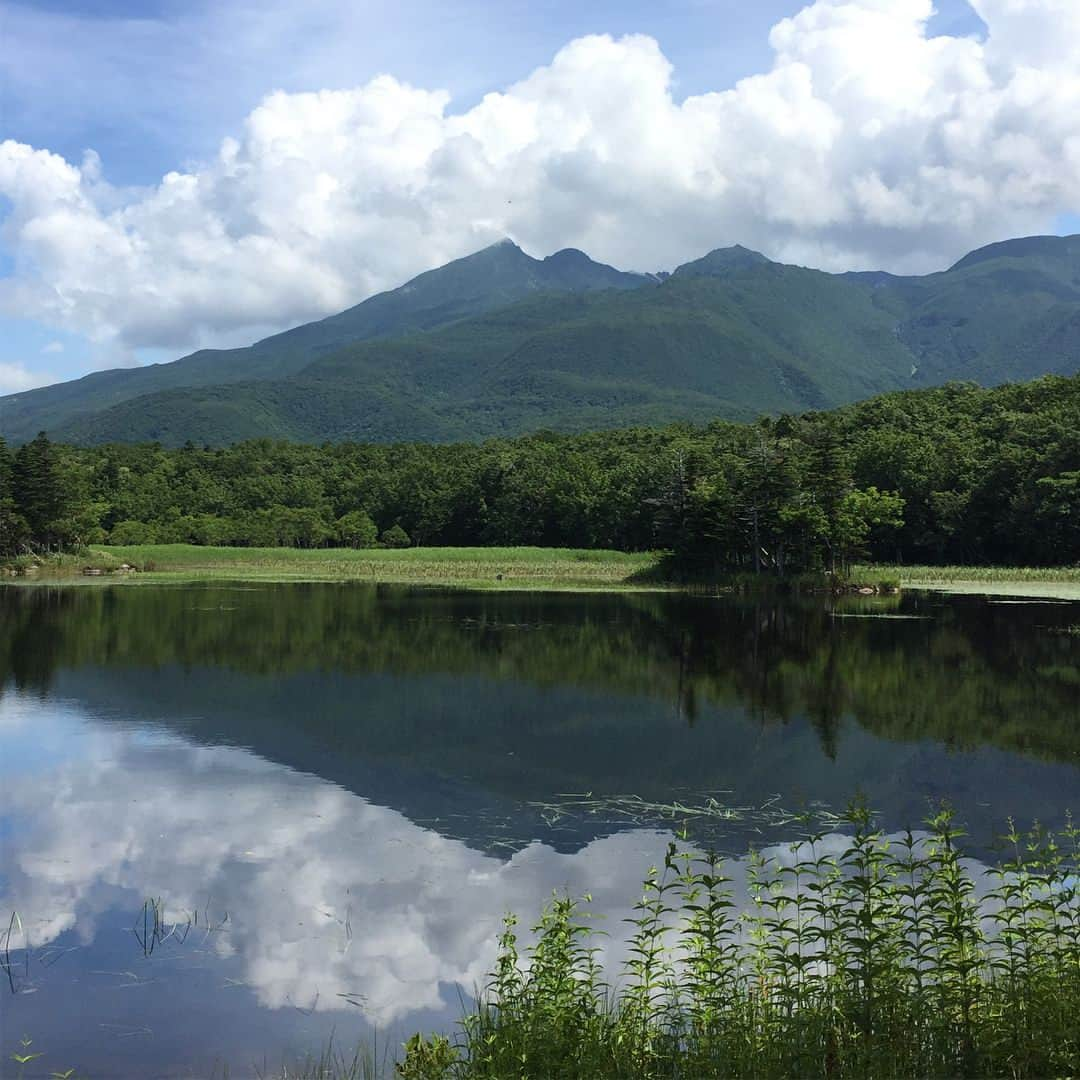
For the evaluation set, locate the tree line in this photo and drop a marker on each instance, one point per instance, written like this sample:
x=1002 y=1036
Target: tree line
x=952 y=474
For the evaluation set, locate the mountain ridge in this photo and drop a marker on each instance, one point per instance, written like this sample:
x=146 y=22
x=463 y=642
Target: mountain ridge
x=501 y=343
x=493 y=276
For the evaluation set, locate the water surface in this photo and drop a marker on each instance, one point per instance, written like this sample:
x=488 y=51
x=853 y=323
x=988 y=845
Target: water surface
x=336 y=792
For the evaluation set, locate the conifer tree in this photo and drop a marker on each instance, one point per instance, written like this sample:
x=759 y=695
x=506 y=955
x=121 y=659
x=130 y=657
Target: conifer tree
x=12 y=527
x=828 y=478
x=5 y=470
x=38 y=490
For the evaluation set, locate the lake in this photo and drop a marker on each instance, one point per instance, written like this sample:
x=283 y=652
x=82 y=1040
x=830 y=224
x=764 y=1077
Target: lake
x=237 y=822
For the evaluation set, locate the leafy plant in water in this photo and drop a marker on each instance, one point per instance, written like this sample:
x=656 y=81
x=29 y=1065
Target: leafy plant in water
x=881 y=958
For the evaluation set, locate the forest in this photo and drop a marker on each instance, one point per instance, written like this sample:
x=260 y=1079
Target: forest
x=956 y=474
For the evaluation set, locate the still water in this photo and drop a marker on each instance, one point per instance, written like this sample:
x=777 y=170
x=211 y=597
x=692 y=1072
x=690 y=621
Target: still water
x=330 y=795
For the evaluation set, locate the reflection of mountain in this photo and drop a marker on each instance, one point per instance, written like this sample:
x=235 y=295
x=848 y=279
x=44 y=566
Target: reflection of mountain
x=455 y=708
x=336 y=905
x=141 y=755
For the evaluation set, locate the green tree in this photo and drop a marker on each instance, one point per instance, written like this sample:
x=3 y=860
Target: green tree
x=395 y=537
x=862 y=513
x=128 y=533
x=1058 y=516
x=14 y=532
x=356 y=529
x=5 y=470
x=765 y=483
x=38 y=491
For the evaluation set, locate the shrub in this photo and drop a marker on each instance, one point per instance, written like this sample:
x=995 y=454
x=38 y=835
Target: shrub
x=356 y=530
x=132 y=533
x=395 y=537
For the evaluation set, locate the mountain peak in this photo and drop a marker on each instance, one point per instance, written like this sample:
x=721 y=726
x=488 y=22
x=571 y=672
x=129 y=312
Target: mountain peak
x=568 y=255
x=722 y=262
x=574 y=270
x=503 y=245
x=1024 y=247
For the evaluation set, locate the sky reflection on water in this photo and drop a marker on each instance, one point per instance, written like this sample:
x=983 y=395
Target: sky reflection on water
x=352 y=813
x=334 y=905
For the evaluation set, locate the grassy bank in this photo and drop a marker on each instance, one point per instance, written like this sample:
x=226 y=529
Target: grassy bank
x=567 y=569
x=474 y=568
x=1054 y=582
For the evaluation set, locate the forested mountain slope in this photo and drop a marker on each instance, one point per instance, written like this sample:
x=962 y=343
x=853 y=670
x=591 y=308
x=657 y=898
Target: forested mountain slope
x=501 y=344
x=491 y=278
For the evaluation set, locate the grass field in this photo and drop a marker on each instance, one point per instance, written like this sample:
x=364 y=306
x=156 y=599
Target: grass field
x=569 y=569
x=475 y=568
x=1053 y=582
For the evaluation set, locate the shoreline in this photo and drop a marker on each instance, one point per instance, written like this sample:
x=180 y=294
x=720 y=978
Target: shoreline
x=524 y=569
x=474 y=569
x=1018 y=582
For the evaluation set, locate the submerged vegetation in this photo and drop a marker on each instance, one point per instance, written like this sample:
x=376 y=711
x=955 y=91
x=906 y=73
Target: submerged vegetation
x=887 y=957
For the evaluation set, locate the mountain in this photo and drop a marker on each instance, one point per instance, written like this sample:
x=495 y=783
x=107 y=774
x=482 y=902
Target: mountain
x=491 y=278
x=500 y=343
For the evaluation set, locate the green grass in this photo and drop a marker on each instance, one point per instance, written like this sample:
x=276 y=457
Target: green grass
x=568 y=569
x=883 y=959
x=912 y=574
x=1060 y=582
x=478 y=568
x=62 y=566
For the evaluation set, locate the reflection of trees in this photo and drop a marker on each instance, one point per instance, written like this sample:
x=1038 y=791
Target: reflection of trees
x=971 y=674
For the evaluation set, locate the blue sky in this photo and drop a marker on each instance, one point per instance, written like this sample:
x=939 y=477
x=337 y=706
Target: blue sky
x=155 y=86
x=163 y=108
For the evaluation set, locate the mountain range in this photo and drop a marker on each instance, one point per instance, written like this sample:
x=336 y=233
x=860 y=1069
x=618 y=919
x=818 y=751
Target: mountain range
x=500 y=343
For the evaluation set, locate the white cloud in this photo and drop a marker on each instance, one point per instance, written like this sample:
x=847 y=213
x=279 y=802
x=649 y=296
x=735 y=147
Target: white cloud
x=53 y=347
x=14 y=378
x=868 y=143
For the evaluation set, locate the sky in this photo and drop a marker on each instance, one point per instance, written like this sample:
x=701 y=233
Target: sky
x=176 y=175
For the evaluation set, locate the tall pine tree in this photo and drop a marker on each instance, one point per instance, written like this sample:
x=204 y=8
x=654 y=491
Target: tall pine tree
x=13 y=529
x=5 y=470
x=828 y=479
x=38 y=491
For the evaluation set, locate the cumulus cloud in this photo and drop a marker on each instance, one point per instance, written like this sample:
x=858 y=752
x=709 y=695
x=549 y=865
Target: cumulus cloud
x=14 y=378
x=868 y=143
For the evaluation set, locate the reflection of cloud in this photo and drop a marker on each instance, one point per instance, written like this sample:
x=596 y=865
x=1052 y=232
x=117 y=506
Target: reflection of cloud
x=291 y=858
x=328 y=895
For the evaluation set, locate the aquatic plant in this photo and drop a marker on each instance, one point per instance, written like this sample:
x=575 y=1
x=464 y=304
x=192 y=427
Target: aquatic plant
x=332 y=1064
x=891 y=957
x=28 y=1055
